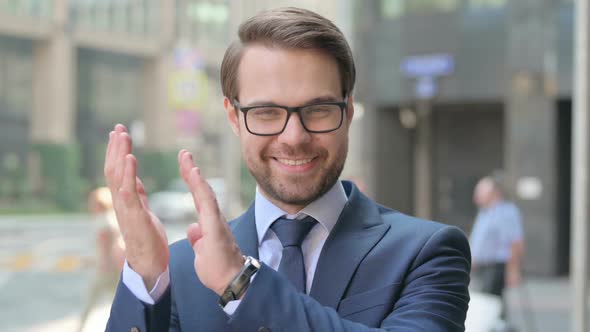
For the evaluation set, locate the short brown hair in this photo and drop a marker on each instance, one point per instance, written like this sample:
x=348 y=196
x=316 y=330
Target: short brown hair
x=291 y=28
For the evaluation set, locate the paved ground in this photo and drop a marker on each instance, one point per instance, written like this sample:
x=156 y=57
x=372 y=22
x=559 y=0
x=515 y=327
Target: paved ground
x=47 y=264
x=46 y=269
x=541 y=305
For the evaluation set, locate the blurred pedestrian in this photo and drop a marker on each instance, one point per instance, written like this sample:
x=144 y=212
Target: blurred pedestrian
x=110 y=251
x=497 y=242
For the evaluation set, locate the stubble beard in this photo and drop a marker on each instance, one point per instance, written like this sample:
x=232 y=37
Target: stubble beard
x=299 y=190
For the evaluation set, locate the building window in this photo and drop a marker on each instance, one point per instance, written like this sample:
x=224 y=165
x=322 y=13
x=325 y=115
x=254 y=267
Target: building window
x=17 y=82
x=34 y=8
x=205 y=23
x=139 y=17
x=392 y=9
x=486 y=4
x=431 y=6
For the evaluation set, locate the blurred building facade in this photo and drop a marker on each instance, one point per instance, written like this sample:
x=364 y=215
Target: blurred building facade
x=71 y=69
x=492 y=91
x=454 y=90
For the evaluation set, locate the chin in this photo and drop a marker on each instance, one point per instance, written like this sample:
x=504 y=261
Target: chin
x=291 y=198
x=301 y=190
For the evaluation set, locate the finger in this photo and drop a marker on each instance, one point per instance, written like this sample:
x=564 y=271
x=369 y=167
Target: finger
x=140 y=188
x=111 y=160
x=108 y=163
x=180 y=154
x=128 y=192
x=205 y=197
x=186 y=172
x=109 y=145
x=194 y=233
x=186 y=163
x=116 y=143
x=120 y=128
x=124 y=148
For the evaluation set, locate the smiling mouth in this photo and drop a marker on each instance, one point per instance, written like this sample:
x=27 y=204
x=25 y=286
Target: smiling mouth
x=293 y=162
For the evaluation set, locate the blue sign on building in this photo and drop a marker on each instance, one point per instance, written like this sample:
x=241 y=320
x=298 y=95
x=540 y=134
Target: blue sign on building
x=425 y=88
x=428 y=65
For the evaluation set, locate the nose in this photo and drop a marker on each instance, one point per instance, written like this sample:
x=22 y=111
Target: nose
x=294 y=133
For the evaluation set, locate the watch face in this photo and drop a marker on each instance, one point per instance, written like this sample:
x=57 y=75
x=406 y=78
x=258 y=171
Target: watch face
x=230 y=296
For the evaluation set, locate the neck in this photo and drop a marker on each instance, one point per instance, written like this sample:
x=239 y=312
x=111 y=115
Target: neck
x=493 y=201
x=291 y=209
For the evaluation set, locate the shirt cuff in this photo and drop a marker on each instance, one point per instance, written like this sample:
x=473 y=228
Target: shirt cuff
x=231 y=307
x=135 y=283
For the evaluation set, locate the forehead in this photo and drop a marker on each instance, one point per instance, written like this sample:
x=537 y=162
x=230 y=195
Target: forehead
x=287 y=76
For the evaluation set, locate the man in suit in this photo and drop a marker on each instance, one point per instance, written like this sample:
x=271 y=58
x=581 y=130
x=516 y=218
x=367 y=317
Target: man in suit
x=312 y=253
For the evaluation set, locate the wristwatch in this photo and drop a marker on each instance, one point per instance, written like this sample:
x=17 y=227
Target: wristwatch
x=240 y=282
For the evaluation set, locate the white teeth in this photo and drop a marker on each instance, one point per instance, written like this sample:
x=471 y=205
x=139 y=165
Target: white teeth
x=291 y=162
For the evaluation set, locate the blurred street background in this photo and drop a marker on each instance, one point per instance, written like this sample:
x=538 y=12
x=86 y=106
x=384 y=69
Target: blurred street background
x=447 y=92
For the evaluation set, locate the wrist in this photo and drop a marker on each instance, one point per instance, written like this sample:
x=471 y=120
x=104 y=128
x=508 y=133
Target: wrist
x=232 y=273
x=239 y=284
x=149 y=277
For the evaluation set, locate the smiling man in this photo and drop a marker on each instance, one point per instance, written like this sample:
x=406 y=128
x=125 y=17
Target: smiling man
x=312 y=253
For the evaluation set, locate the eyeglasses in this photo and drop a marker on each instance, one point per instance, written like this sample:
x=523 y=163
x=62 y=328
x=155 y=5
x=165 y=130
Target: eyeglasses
x=270 y=120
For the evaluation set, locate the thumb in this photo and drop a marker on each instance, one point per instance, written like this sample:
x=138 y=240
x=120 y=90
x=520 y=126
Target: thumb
x=194 y=233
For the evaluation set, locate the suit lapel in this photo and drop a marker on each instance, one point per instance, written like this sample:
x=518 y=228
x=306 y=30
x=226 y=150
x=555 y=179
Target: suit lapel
x=357 y=231
x=244 y=229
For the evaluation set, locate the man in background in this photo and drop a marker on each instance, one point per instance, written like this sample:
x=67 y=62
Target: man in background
x=497 y=242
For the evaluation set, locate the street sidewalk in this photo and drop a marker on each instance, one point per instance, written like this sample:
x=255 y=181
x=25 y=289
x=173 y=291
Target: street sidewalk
x=540 y=305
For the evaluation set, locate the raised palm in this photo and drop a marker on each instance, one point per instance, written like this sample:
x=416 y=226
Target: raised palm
x=146 y=244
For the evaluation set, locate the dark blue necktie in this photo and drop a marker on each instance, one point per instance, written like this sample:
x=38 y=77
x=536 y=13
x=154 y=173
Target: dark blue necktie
x=291 y=233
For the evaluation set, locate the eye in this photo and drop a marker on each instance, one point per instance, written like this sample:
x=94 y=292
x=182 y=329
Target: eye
x=266 y=113
x=320 y=111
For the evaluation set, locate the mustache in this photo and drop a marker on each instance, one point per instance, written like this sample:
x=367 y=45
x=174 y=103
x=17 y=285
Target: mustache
x=294 y=151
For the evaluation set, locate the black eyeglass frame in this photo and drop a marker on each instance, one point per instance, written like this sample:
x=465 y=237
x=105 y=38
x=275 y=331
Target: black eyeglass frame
x=342 y=104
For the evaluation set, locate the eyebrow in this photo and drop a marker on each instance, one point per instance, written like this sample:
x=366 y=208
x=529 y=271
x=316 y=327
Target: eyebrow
x=320 y=99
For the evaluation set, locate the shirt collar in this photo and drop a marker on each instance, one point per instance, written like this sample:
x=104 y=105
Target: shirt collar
x=325 y=210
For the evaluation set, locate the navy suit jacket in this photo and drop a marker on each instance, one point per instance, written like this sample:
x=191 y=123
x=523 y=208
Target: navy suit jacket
x=378 y=270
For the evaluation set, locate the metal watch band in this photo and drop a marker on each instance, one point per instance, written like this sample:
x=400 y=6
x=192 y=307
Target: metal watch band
x=240 y=282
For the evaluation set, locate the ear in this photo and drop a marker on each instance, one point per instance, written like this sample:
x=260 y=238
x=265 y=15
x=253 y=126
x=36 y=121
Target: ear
x=349 y=110
x=232 y=115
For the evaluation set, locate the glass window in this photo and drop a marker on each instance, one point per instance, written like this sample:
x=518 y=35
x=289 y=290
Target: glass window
x=18 y=84
x=115 y=89
x=486 y=4
x=2 y=80
x=151 y=17
x=396 y=8
x=431 y=5
x=392 y=8
x=137 y=18
x=205 y=21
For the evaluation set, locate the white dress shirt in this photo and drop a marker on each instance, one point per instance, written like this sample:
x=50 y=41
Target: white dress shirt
x=325 y=210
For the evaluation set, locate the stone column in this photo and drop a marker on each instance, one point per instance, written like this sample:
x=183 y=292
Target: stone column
x=159 y=144
x=363 y=155
x=55 y=155
x=531 y=128
x=54 y=87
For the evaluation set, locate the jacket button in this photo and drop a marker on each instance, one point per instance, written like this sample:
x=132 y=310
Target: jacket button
x=263 y=329
x=134 y=329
